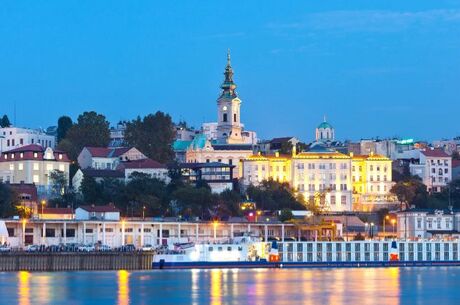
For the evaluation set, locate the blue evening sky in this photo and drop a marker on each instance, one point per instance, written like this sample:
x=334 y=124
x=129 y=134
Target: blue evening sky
x=375 y=68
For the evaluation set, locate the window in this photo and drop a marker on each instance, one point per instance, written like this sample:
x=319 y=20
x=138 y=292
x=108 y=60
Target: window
x=21 y=141
x=224 y=118
x=61 y=167
x=36 y=166
x=371 y=167
x=332 y=199
x=36 y=179
x=35 y=155
x=343 y=200
x=49 y=167
x=21 y=155
x=234 y=117
x=11 y=167
x=419 y=223
x=89 y=231
x=438 y=223
x=20 y=166
x=50 y=232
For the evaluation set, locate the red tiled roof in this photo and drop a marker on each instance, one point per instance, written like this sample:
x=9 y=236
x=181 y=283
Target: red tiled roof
x=106 y=152
x=455 y=163
x=100 y=208
x=56 y=211
x=437 y=153
x=143 y=163
x=28 y=153
x=22 y=189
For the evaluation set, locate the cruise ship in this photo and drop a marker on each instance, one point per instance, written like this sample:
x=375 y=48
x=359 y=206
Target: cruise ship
x=252 y=252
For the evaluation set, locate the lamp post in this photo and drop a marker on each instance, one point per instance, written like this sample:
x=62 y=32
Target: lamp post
x=384 y=222
x=366 y=225
x=43 y=203
x=393 y=222
x=372 y=230
x=143 y=212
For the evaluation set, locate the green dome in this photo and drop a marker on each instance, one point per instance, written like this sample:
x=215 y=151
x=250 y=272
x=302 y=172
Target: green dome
x=325 y=125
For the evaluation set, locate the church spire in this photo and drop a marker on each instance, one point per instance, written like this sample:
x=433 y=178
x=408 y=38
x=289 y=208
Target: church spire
x=228 y=86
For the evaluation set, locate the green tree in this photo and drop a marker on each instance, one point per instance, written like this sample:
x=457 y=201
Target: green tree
x=285 y=215
x=64 y=124
x=153 y=135
x=191 y=201
x=5 y=121
x=91 y=191
x=273 y=195
x=91 y=129
x=58 y=183
x=7 y=201
x=409 y=192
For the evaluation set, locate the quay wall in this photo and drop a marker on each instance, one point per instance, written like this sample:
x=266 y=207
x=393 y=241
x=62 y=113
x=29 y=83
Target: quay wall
x=62 y=261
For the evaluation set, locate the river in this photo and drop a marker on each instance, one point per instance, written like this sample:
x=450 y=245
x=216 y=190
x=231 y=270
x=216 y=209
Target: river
x=431 y=285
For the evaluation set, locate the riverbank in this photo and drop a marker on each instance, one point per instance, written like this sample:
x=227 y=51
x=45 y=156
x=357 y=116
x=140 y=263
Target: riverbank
x=69 y=261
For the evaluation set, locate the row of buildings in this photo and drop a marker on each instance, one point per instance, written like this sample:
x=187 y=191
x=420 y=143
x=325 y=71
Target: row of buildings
x=337 y=176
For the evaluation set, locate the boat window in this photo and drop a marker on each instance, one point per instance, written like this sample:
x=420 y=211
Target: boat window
x=229 y=248
x=219 y=249
x=210 y=249
x=240 y=248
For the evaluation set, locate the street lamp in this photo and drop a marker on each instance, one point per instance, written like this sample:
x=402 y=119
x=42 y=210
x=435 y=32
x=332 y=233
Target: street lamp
x=393 y=222
x=43 y=203
x=372 y=230
x=384 y=221
x=143 y=212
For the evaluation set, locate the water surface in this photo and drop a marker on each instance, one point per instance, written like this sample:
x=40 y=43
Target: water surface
x=231 y=286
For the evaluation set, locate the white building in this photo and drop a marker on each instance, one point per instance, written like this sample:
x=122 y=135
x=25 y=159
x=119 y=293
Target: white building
x=423 y=224
x=144 y=166
x=95 y=212
x=106 y=157
x=434 y=167
x=15 y=137
x=33 y=164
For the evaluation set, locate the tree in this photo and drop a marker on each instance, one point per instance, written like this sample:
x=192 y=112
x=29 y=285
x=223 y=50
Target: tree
x=91 y=129
x=5 y=121
x=7 y=201
x=273 y=195
x=409 y=192
x=285 y=215
x=91 y=190
x=144 y=193
x=64 y=124
x=58 y=183
x=191 y=201
x=153 y=135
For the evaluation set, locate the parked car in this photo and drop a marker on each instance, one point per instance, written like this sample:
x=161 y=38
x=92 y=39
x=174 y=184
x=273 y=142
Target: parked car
x=147 y=247
x=127 y=248
x=32 y=248
x=103 y=248
x=5 y=248
x=86 y=248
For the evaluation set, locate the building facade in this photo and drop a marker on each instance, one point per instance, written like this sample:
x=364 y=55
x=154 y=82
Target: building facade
x=15 y=137
x=106 y=157
x=33 y=164
x=434 y=168
x=425 y=224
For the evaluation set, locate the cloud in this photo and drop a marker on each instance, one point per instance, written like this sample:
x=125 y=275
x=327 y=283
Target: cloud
x=367 y=21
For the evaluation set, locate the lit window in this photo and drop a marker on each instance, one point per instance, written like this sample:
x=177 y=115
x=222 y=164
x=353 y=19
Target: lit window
x=49 y=167
x=11 y=167
x=36 y=166
x=21 y=155
x=60 y=156
x=20 y=166
x=61 y=167
x=35 y=155
x=36 y=179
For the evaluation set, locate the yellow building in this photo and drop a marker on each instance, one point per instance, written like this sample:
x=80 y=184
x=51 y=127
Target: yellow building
x=257 y=168
x=347 y=182
x=372 y=181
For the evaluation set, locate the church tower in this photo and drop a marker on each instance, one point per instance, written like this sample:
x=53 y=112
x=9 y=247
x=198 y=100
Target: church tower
x=325 y=132
x=229 y=127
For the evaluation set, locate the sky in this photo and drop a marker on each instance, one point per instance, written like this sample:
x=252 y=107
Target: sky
x=373 y=68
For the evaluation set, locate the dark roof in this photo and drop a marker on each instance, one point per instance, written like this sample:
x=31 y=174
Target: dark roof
x=437 y=153
x=103 y=173
x=442 y=231
x=22 y=189
x=56 y=211
x=107 y=152
x=32 y=152
x=205 y=165
x=143 y=163
x=100 y=208
x=280 y=140
x=232 y=146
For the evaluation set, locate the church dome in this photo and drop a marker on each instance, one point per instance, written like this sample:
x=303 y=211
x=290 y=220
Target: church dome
x=325 y=125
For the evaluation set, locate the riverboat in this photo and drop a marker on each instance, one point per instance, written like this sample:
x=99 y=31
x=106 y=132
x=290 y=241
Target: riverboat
x=252 y=252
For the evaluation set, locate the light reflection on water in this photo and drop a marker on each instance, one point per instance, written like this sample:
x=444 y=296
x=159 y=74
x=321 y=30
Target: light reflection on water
x=232 y=286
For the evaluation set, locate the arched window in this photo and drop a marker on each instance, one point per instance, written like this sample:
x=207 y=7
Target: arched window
x=224 y=118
